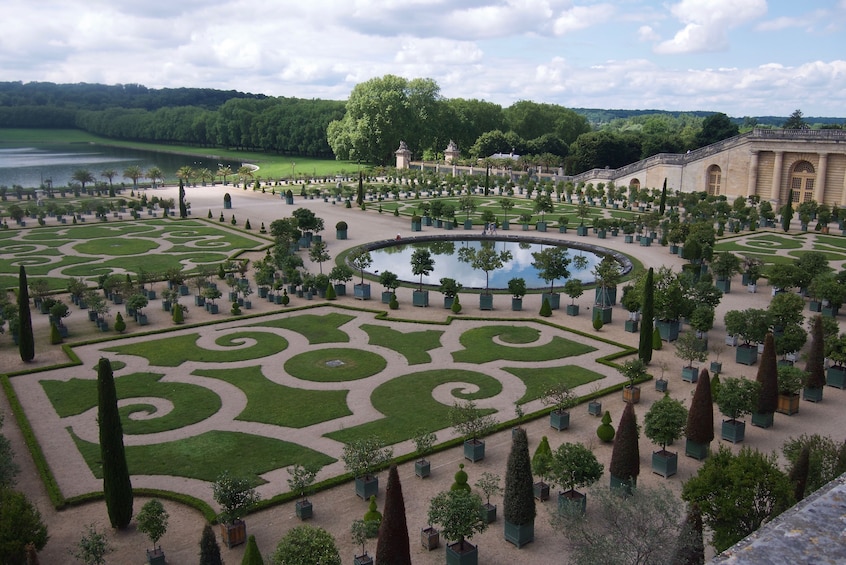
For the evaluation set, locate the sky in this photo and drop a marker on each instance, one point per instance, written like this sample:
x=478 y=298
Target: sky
x=740 y=57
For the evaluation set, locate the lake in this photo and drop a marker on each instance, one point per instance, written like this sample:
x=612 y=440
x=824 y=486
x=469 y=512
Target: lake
x=33 y=166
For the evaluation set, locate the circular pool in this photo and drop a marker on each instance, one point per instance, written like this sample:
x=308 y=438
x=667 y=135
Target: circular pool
x=395 y=256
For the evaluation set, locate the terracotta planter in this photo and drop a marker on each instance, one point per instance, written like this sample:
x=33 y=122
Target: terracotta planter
x=788 y=404
x=631 y=394
x=234 y=534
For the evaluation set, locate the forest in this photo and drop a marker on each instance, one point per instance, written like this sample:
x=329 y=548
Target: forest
x=369 y=125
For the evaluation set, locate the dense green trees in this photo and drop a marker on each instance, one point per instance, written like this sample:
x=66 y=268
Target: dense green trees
x=716 y=128
x=20 y=524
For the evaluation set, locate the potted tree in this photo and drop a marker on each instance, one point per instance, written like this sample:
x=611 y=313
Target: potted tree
x=471 y=423
x=574 y=289
x=486 y=258
x=422 y=264
x=552 y=263
x=815 y=381
x=519 y=501
x=152 y=521
x=423 y=443
x=699 y=431
x=574 y=466
x=663 y=424
x=561 y=397
x=724 y=266
x=835 y=351
x=631 y=301
x=341 y=275
x=360 y=259
x=449 y=288
x=517 y=288
x=750 y=325
x=458 y=514
x=634 y=370
x=671 y=304
x=362 y=530
x=236 y=497
x=790 y=382
x=688 y=349
x=361 y=458
x=300 y=482
x=390 y=281
x=489 y=485
x=541 y=465
x=735 y=399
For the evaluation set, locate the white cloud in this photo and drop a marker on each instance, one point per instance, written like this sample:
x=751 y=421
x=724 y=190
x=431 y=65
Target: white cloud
x=580 y=17
x=646 y=33
x=707 y=23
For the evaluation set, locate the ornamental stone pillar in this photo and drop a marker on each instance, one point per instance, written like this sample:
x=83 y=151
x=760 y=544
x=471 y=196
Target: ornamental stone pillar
x=753 y=174
x=779 y=163
x=403 y=156
x=819 y=185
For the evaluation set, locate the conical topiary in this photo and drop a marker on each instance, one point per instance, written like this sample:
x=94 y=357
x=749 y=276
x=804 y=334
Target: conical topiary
x=644 y=349
x=117 y=486
x=456 y=305
x=177 y=315
x=392 y=547
x=55 y=336
x=209 y=549
x=814 y=367
x=768 y=377
x=210 y=214
x=700 y=417
x=605 y=431
x=252 y=555
x=542 y=459
x=625 y=456
x=247 y=225
x=460 y=480
x=799 y=473
x=330 y=292
x=598 y=323
x=656 y=339
x=690 y=548
x=519 y=497
x=546 y=309
x=120 y=323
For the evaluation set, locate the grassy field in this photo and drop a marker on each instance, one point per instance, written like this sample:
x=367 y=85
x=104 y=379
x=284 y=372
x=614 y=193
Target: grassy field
x=272 y=166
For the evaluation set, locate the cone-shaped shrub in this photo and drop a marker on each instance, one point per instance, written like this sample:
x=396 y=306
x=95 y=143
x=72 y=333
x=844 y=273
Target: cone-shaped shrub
x=644 y=348
x=799 y=473
x=690 y=548
x=330 y=292
x=546 y=309
x=625 y=456
x=598 y=323
x=519 y=499
x=26 y=341
x=177 y=314
x=815 y=369
x=392 y=547
x=768 y=377
x=117 y=488
x=120 y=323
x=700 y=417
x=252 y=555
x=209 y=550
x=605 y=431
x=456 y=305
x=55 y=336
x=247 y=225
x=542 y=459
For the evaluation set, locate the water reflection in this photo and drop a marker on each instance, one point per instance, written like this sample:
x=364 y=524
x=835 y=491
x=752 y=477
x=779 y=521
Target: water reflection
x=397 y=259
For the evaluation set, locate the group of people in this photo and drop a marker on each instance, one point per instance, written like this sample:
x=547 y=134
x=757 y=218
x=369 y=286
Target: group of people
x=489 y=229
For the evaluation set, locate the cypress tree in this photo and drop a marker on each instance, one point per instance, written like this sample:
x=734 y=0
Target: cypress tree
x=814 y=367
x=787 y=212
x=392 y=547
x=768 y=377
x=359 y=197
x=117 y=487
x=183 y=208
x=644 y=348
x=690 y=549
x=209 y=550
x=252 y=555
x=799 y=473
x=120 y=324
x=700 y=417
x=663 y=203
x=26 y=341
x=625 y=455
x=519 y=498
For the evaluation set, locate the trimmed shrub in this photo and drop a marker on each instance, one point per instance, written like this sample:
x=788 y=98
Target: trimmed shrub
x=55 y=336
x=519 y=498
x=393 y=546
x=625 y=456
x=700 y=417
x=456 y=305
x=120 y=323
x=605 y=431
x=209 y=550
x=546 y=309
x=644 y=348
x=26 y=341
x=768 y=377
x=117 y=488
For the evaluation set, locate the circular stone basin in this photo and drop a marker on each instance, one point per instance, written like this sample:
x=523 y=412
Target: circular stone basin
x=395 y=256
x=334 y=365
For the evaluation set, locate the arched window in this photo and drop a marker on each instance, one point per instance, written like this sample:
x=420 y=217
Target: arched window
x=715 y=178
x=634 y=183
x=802 y=181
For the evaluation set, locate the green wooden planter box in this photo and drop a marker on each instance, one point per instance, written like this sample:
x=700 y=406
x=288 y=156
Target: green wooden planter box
x=422 y=468
x=632 y=326
x=572 y=502
x=304 y=509
x=386 y=297
x=669 y=329
x=156 y=557
x=582 y=231
x=540 y=226
x=489 y=513
x=486 y=302
x=733 y=430
x=602 y=313
x=812 y=394
x=468 y=224
x=724 y=285
x=836 y=376
x=559 y=419
x=628 y=238
x=519 y=534
x=365 y=487
x=665 y=463
x=572 y=309
x=746 y=355
x=690 y=374
x=340 y=289
x=420 y=298
x=595 y=408
x=554 y=299
x=462 y=553
x=541 y=491
x=362 y=291
x=661 y=385
x=474 y=450
x=516 y=304
x=716 y=367
x=696 y=450
x=762 y=420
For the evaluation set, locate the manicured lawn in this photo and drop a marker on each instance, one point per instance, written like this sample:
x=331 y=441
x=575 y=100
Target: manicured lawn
x=279 y=405
x=537 y=379
x=479 y=346
x=172 y=351
x=335 y=365
x=207 y=455
x=414 y=346
x=317 y=329
x=408 y=405
x=191 y=403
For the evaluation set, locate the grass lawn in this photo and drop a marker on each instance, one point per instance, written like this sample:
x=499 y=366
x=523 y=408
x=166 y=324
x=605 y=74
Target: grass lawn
x=191 y=403
x=317 y=329
x=414 y=346
x=537 y=380
x=279 y=405
x=335 y=365
x=172 y=351
x=242 y=454
x=479 y=346
x=408 y=405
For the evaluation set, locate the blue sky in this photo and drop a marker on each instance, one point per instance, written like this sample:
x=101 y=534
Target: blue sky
x=741 y=57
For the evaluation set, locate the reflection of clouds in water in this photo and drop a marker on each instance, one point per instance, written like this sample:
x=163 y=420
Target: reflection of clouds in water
x=398 y=260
